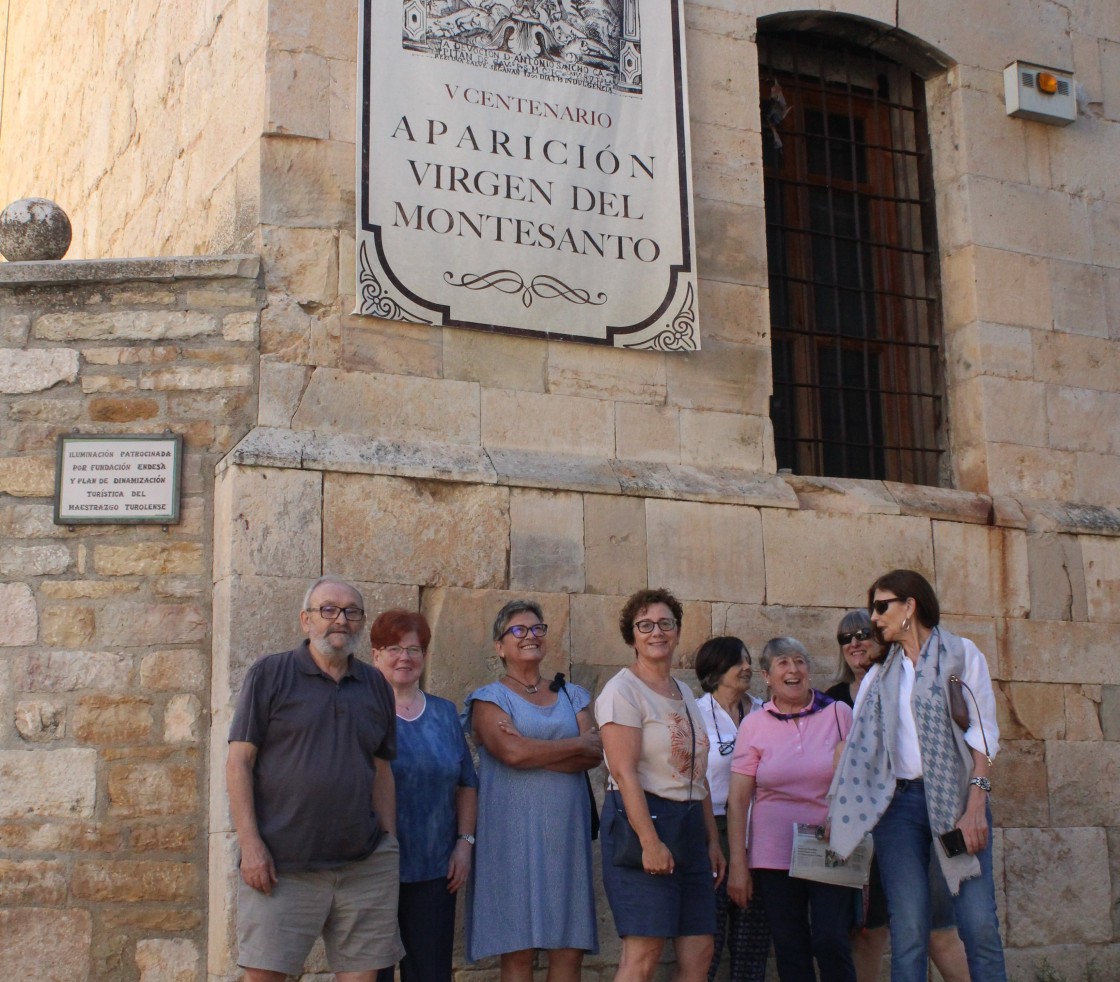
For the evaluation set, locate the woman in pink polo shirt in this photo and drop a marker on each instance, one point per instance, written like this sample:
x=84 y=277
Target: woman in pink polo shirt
x=784 y=760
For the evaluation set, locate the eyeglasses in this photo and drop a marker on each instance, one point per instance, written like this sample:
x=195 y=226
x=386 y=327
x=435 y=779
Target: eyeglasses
x=847 y=637
x=882 y=606
x=520 y=631
x=330 y=612
x=666 y=624
x=413 y=651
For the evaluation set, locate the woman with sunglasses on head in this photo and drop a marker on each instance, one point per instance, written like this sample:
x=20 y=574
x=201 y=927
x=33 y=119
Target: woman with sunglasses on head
x=783 y=761
x=916 y=774
x=858 y=652
x=661 y=854
x=531 y=886
x=723 y=666
x=437 y=799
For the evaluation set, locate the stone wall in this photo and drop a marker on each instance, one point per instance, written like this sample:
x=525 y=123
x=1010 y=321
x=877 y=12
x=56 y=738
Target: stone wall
x=141 y=118
x=105 y=630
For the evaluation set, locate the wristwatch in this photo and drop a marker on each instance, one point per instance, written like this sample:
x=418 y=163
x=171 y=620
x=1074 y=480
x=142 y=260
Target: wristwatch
x=468 y=838
x=982 y=783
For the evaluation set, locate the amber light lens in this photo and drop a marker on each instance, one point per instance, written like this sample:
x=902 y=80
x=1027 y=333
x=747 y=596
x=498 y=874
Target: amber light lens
x=1047 y=83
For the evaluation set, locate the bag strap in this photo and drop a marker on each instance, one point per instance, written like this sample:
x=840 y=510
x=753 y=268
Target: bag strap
x=957 y=680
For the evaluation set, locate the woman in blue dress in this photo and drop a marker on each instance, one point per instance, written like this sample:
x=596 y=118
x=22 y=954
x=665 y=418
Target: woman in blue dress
x=437 y=800
x=531 y=886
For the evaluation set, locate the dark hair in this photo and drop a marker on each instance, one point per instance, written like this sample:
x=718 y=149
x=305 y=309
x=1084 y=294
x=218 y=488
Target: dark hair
x=910 y=585
x=852 y=621
x=715 y=657
x=510 y=611
x=640 y=601
x=392 y=625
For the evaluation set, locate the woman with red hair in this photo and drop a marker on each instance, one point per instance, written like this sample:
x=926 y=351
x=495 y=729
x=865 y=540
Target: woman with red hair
x=437 y=799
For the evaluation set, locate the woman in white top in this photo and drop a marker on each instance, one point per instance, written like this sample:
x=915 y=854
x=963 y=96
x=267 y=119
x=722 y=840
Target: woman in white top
x=723 y=666
x=911 y=775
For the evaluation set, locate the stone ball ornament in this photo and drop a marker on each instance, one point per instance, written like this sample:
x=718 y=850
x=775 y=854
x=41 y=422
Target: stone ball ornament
x=34 y=229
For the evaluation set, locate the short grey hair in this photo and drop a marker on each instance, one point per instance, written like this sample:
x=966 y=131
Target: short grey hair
x=331 y=578
x=779 y=648
x=510 y=611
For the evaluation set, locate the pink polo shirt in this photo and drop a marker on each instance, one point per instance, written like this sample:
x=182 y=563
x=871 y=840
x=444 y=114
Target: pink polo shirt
x=791 y=762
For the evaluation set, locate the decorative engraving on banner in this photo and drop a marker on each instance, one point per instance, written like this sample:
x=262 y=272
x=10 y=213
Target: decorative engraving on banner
x=524 y=166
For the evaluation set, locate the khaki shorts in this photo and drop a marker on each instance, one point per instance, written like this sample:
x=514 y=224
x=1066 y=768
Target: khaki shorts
x=354 y=907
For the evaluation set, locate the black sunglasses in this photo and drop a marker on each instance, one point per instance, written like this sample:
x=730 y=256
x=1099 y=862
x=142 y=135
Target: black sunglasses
x=846 y=637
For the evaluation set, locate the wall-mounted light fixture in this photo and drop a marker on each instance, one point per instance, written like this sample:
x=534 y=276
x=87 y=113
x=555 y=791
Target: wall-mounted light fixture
x=1045 y=95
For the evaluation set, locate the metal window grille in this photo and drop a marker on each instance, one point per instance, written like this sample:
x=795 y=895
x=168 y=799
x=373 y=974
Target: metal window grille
x=854 y=293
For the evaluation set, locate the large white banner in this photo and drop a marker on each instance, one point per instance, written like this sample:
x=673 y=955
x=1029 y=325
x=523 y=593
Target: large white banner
x=523 y=166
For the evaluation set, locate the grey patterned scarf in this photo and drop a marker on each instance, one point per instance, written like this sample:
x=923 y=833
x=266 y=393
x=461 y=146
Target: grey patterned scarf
x=864 y=782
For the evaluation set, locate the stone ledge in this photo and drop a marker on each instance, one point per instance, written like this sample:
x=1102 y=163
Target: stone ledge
x=68 y=272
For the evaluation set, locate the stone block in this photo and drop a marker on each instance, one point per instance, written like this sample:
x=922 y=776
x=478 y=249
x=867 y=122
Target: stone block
x=1039 y=708
x=1013 y=288
x=107 y=383
x=981 y=570
x=296 y=93
x=390 y=407
x=725 y=486
x=533 y=469
x=27 y=477
x=40 y=720
x=1020 y=797
x=107 y=719
x=300 y=262
x=68 y=671
x=179 y=669
x=462 y=656
x=706 y=551
x=726 y=162
x=162 y=838
x=392 y=347
x=241 y=326
x=125 y=623
x=594 y=372
x=27 y=932
x=980 y=348
x=190 y=377
x=15 y=328
x=148 y=354
x=24 y=561
x=731 y=242
x=1013 y=411
x=108 y=410
x=48 y=783
x=139 y=789
x=422 y=532
x=734 y=313
x=281 y=387
x=560 y=424
x=167 y=960
x=69 y=626
x=1060 y=651
x=19 y=615
x=842 y=496
x=546 y=552
x=1097 y=476
x=1033 y=220
x=1032 y=472
x=1083 y=709
x=816 y=560
x=307 y=183
x=25 y=520
x=1083 y=419
x=1110 y=712
x=1101 y=558
x=731 y=378
x=32 y=882
x=1044 y=909
x=125 y=325
x=37 y=369
x=649 y=434
x=135 y=881
x=149 y=559
x=719 y=440
x=266 y=520
x=495 y=361
x=56 y=410
x=181 y=719
x=1084 y=783
x=614 y=544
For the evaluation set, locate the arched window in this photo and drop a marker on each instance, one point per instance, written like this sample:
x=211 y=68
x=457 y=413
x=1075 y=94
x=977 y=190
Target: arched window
x=853 y=265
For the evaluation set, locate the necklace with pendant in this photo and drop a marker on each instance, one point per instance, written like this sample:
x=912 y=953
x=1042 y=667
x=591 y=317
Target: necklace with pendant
x=529 y=689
